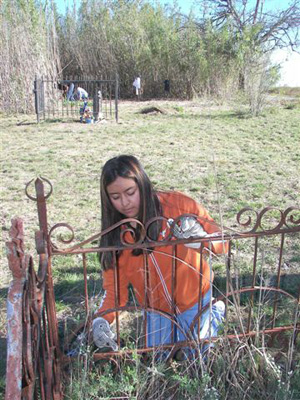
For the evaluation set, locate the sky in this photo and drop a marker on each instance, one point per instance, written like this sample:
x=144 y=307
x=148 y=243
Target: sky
x=289 y=61
x=290 y=67
x=185 y=5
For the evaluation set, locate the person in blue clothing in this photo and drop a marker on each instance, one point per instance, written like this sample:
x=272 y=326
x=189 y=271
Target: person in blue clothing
x=76 y=93
x=70 y=92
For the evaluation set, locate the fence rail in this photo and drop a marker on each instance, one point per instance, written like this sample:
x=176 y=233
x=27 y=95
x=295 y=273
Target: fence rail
x=35 y=354
x=53 y=98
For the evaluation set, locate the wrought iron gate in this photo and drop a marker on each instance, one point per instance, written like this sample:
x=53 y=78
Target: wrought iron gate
x=35 y=355
x=51 y=97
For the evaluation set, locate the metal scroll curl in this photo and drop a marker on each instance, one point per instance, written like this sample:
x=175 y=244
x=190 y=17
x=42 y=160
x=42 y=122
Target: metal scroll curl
x=289 y=217
x=279 y=219
x=248 y=223
x=163 y=225
x=129 y=227
x=61 y=238
x=133 y=232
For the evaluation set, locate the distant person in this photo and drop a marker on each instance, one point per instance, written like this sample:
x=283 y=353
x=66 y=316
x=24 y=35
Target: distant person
x=63 y=88
x=70 y=92
x=167 y=86
x=137 y=85
x=81 y=94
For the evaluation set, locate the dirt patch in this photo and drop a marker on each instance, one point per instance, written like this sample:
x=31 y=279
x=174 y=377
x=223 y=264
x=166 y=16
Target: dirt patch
x=153 y=110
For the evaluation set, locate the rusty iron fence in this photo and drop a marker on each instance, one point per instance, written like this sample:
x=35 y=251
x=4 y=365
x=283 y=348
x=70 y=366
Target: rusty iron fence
x=51 y=98
x=36 y=356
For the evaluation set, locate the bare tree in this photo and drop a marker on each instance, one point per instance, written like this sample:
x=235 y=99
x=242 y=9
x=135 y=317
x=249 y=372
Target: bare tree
x=256 y=30
x=273 y=28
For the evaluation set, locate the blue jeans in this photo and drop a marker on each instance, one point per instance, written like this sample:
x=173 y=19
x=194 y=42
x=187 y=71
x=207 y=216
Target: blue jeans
x=70 y=93
x=159 y=328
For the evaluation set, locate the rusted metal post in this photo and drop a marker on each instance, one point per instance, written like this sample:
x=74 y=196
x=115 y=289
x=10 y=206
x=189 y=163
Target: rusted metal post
x=278 y=280
x=200 y=294
x=52 y=361
x=41 y=206
x=173 y=289
x=146 y=294
x=228 y=279
x=253 y=284
x=117 y=294
x=86 y=292
x=51 y=353
x=18 y=266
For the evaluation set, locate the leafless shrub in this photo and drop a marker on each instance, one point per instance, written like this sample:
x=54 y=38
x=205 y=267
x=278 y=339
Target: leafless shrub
x=28 y=48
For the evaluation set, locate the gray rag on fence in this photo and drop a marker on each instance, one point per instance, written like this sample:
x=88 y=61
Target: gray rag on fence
x=103 y=335
x=189 y=227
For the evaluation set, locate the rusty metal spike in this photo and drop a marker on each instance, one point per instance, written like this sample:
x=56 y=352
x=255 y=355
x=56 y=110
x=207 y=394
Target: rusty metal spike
x=38 y=183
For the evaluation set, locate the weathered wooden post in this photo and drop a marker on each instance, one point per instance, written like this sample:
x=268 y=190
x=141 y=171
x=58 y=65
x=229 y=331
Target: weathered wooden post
x=36 y=99
x=18 y=265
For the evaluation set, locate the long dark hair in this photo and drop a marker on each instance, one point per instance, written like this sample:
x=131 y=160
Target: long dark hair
x=126 y=166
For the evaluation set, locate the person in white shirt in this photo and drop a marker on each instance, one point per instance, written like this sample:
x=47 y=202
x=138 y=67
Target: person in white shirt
x=137 y=85
x=81 y=94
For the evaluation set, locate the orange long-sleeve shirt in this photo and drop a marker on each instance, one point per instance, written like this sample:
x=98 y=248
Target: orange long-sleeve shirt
x=188 y=264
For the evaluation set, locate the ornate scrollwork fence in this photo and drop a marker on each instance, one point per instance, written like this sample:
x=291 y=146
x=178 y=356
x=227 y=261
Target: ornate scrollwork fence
x=35 y=354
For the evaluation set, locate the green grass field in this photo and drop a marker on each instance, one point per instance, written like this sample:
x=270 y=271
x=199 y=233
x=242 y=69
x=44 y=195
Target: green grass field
x=217 y=154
